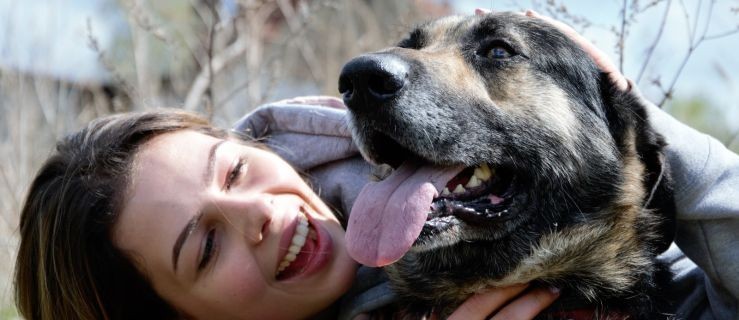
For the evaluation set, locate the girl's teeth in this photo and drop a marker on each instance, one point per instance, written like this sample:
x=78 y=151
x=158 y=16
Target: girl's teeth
x=302 y=228
x=298 y=241
x=290 y=257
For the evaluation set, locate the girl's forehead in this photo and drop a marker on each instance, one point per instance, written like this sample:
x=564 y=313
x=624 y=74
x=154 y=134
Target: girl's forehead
x=165 y=185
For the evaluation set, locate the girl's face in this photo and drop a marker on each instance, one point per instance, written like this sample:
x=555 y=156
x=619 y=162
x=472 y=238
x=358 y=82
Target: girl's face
x=228 y=231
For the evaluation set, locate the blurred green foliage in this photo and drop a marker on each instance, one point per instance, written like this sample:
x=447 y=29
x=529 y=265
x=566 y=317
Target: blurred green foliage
x=8 y=312
x=699 y=113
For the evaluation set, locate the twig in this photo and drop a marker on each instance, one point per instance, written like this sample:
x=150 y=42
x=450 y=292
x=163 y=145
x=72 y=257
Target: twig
x=655 y=42
x=687 y=19
x=697 y=17
x=667 y=94
x=208 y=94
x=9 y=187
x=219 y=61
x=144 y=20
x=652 y=3
x=306 y=51
x=117 y=77
x=621 y=37
x=721 y=35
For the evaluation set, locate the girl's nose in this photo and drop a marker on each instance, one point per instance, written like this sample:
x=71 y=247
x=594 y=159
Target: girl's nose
x=251 y=216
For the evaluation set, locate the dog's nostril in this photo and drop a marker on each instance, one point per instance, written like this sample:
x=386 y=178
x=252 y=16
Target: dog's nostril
x=346 y=88
x=384 y=85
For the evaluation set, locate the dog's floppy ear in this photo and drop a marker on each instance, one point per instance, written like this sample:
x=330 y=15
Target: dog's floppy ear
x=625 y=111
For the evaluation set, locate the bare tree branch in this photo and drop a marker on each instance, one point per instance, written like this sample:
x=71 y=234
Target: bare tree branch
x=219 y=61
x=9 y=187
x=208 y=94
x=144 y=20
x=650 y=51
x=622 y=36
x=687 y=19
x=117 y=76
x=721 y=34
x=295 y=27
x=693 y=45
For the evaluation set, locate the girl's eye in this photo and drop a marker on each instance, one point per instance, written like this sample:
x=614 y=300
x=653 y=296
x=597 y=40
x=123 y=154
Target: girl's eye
x=208 y=249
x=235 y=173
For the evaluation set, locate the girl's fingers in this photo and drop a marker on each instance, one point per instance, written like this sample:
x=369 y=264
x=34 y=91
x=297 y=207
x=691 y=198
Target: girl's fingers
x=481 y=11
x=528 y=305
x=481 y=305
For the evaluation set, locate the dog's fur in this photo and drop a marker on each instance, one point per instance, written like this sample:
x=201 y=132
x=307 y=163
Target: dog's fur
x=591 y=205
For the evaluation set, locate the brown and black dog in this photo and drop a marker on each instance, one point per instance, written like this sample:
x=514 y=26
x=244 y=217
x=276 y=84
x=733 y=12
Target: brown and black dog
x=515 y=160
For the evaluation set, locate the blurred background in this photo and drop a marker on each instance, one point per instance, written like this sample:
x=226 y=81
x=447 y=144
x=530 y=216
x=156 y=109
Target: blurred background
x=63 y=63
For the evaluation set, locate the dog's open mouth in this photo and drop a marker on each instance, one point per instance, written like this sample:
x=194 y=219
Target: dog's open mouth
x=411 y=206
x=479 y=195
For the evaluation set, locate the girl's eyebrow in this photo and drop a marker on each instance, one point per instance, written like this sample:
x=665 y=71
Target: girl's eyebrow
x=193 y=222
x=184 y=234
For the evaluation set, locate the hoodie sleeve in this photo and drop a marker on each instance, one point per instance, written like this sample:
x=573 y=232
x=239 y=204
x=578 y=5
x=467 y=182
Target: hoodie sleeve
x=706 y=181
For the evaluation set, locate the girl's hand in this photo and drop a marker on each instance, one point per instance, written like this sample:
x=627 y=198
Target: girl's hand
x=505 y=303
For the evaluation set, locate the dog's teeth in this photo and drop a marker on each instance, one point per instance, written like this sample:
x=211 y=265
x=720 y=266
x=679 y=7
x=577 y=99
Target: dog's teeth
x=483 y=172
x=445 y=192
x=459 y=189
x=474 y=182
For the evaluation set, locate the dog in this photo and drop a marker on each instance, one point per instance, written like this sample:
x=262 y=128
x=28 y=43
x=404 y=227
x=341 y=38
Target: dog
x=515 y=160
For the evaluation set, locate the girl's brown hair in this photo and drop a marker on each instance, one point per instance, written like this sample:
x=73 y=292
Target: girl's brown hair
x=67 y=266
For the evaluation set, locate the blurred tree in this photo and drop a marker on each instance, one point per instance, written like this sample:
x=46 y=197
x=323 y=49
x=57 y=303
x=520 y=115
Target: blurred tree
x=699 y=113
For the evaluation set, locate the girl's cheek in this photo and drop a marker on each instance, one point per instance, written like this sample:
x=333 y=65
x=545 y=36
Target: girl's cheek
x=239 y=278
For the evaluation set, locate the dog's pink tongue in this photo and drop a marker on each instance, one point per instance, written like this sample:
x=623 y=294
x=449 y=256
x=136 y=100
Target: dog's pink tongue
x=388 y=216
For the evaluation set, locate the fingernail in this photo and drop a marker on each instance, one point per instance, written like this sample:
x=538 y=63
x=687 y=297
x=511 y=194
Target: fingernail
x=554 y=290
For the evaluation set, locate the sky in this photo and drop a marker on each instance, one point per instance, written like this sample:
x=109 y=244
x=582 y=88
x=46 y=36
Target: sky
x=50 y=37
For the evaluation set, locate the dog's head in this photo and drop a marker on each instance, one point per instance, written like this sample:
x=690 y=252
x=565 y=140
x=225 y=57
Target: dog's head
x=507 y=142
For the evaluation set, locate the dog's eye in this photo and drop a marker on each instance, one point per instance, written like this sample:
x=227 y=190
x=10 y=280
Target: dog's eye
x=499 y=53
x=497 y=50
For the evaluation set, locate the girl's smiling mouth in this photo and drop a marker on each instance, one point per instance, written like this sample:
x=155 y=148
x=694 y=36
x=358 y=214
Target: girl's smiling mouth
x=304 y=250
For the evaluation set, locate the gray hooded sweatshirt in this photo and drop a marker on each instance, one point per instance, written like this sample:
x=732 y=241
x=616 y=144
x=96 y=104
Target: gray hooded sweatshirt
x=311 y=133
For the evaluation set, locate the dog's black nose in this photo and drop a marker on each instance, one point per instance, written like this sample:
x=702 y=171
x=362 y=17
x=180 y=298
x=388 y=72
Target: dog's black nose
x=371 y=79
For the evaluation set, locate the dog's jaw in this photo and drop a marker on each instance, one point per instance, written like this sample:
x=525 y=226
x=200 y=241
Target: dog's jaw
x=480 y=206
